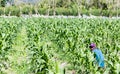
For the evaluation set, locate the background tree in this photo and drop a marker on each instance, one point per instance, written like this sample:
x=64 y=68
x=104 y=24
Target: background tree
x=3 y=3
x=118 y=5
x=79 y=5
x=54 y=2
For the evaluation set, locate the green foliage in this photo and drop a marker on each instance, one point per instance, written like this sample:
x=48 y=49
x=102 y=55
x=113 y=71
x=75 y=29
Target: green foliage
x=43 y=11
x=72 y=10
x=3 y=3
x=27 y=9
x=40 y=45
x=66 y=7
x=1 y=11
x=96 y=12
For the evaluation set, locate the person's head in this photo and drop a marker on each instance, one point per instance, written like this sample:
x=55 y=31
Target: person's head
x=92 y=46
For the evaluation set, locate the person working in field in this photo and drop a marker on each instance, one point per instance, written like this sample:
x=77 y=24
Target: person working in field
x=98 y=55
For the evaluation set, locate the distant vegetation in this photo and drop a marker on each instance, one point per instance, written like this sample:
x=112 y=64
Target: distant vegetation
x=60 y=7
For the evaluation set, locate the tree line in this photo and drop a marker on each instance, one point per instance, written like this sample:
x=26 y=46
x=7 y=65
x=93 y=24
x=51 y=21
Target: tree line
x=77 y=5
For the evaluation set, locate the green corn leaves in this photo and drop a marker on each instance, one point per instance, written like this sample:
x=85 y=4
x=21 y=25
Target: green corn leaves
x=41 y=45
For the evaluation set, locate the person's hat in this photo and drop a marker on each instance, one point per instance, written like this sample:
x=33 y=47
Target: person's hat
x=92 y=45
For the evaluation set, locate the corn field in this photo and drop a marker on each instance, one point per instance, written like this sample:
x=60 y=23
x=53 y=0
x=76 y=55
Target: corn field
x=58 y=46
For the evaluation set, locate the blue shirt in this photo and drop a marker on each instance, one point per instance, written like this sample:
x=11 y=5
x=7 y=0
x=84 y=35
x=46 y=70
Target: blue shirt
x=99 y=57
